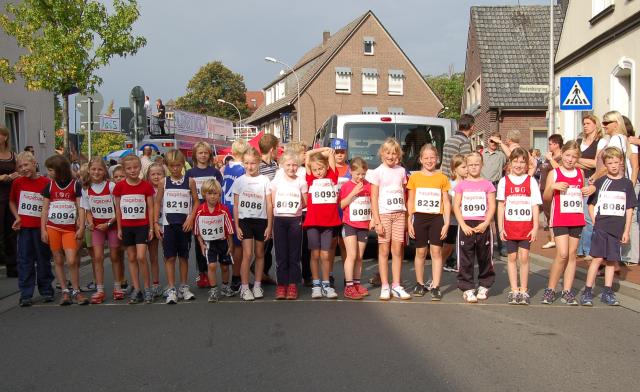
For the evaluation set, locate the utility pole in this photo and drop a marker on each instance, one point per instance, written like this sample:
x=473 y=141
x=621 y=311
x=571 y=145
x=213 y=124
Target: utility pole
x=551 y=111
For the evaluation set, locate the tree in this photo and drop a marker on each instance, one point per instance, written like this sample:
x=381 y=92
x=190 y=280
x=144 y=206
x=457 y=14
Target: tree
x=214 y=81
x=110 y=109
x=449 y=88
x=102 y=143
x=66 y=43
x=57 y=111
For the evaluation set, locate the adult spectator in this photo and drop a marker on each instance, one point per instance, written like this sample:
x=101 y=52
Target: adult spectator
x=551 y=162
x=7 y=175
x=493 y=164
x=161 y=114
x=458 y=143
x=590 y=142
x=511 y=143
x=146 y=161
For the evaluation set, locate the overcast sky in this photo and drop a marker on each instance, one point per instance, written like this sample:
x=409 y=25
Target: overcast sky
x=184 y=35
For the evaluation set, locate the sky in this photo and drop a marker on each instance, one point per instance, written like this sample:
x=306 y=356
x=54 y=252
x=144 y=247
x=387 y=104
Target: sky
x=184 y=35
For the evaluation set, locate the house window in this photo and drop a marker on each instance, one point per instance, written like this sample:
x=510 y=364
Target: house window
x=396 y=82
x=369 y=81
x=279 y=90
x=343 y=80
x=597 y=6
x=12 y=122
x=473 y=96
x=368 y=46
x=540 y=140
x=622 y=82
x=396 y=110
x=370 y=110
x=269 y=96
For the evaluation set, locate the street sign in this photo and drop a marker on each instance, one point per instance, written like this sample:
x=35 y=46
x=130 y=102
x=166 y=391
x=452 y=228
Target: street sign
x=533 y=89
x=83 y=109
x=576 y=93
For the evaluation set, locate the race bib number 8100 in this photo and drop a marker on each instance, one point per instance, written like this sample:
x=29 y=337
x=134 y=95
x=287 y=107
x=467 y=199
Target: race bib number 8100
x=518 y=209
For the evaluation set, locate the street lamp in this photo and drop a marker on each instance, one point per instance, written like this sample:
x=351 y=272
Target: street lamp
x=273 y=60
x=229 y=103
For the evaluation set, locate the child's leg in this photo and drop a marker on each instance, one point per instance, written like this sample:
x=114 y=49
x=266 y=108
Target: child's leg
x=609 y=272
x=294 y=243
x=116 y=264
x=121 y=252
x=523 y=256
x=58 y=262
x=247 y=254
x=43 y=257
x=133 y=266
x=327 y=263
x=357 y=271
x=560 y=261
x=570 y=271
x=98 y=264
x=383 y=262
x=141 y=257
x=314 y=262
x=484 y=254
x=170 y=268
x=447 y=251
x=211 y=273
x=281 y=244
x=225 y=275
x=512 y=268
x=436 y=264
x=74 y=267
x=592 y=272
x=259 y=260
x=421 y=254
x=25 y=265
x=237 y=259
x=184 y=269
x=153 y=260
x=397 y=251
x=351 y=244
x=466 y=257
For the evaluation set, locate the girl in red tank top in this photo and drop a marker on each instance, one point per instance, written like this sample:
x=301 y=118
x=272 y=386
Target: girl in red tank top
x=518 y=209
x=566 y=190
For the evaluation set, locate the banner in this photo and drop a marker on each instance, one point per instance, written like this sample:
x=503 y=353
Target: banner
x=190 y=124
x=109 y=124
x=219 y=127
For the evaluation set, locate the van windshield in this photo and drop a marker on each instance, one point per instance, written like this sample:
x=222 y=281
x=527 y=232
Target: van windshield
x=364 y=140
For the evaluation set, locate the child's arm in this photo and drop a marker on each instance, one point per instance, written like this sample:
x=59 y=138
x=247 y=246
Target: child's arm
x=410 y=211
x=43 y=221
x=446 y=214
x=80 y=222
x=156 y=211
x=634 y=168
x=491 y=197
x=551 y=186
x=236 y=206
x=500 y=227
x=188 y=224
x=332 y=159
x=457 y=202
x=375 y=210
x=230 y=244
x=150 y=215
x=344 y=202
x=14 y=210
x=627 y=225
x=118 y=218
x=267 y=232
x=536 y=223
x=592 y=213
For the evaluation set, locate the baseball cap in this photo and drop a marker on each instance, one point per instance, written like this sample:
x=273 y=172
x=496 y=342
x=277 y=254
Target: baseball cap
x=338 y=144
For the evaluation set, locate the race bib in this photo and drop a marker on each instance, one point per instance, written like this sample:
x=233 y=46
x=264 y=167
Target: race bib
x=30 y=204
x=177 y=201
x=323 y=192
x=571 y=201
x=62 y=212
x=341 y=182
x=392 y=199
x=133 y=207
x=251 y=204
x=211 y=227
x=428 y=200
x=518 y=209
x=102 y=207
x=612 y=203
x=474 y=204
x=287 y=202
x=360 y=209
x=199 y=181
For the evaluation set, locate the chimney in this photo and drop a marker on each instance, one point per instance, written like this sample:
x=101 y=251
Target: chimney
x=325 y=37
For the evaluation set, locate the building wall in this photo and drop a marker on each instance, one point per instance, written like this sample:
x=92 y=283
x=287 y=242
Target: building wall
x=35 y=108
x=320 y=100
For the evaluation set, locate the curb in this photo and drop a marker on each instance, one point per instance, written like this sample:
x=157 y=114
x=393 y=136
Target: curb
x=623 y=287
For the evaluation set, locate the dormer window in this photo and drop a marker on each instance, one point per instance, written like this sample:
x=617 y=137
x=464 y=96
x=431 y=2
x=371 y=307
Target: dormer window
x=369 y=42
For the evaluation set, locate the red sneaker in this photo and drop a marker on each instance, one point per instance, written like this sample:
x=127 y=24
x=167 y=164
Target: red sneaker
x=202 y=281
x=97 y=298
x=363 y=291
x=118 y=295
x=281 y=291
x=352 y=293
x=292 y=291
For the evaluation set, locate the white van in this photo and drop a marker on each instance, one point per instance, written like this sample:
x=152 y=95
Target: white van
x=365 y=133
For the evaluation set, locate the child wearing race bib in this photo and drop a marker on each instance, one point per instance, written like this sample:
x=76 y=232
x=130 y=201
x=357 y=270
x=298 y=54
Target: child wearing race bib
x=117 y=175
x=201 y=172
x=97 y=201
x=155 y=176
x=429 y=217
x=230 y=173
x=253 y=219
x=458 y=173
x=63 y=225
x=214 y=230
x=344 y=175
x=322 y=218
x=134 y=214
x=519 y=202
x=611 y=209
x=288 y=195
x=34 y=256
x=177 y=198
x=565 y=188
x=389 y=215
x=474 y=206
x=355 y=202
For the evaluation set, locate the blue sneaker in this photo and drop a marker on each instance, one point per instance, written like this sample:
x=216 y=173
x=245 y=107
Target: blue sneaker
x=568 y=298
x=609 y=297
x=548 y=296
x=587 y=297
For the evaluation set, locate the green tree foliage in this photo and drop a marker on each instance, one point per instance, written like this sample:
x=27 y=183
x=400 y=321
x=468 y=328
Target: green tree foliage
x=58 y=116
x=110 y=109
x=214 y=81
x=449 y=89
x=102 y=143
x=66 y=43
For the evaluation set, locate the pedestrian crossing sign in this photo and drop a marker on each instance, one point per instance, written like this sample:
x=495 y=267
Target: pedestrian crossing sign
x=576 y=93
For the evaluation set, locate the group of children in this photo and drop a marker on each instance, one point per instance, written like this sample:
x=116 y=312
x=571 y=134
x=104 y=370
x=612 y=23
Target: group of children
x=317 y=200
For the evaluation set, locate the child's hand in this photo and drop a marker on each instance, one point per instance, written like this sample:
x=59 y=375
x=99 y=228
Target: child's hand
x=239 y=233
x=410 y=229
x=187 y=225
x=120 y=234
x=158 y=231
x=549 y=155
x=267 y=233
x=90 y=226
x=444 y=231
x=150 y=236
x=357 y=189
x=466 y=229
x=44 y=236
x=503 y=235
x=79 y=234
x=625 y=238
x=16 y=224
x=560 y=186
x=588 y=190
x=480 y=228
x=103 y=227
x=533 y=234
x=203 y=249
x=380 y=230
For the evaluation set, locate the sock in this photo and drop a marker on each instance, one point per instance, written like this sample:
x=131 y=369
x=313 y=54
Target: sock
x=245 y=287
x=316 y=283
x=117 y=286
x=394 y=285
x=325 y=283
x=100 y=288
x=257 y=283
x=349 y=283
x=356 y=282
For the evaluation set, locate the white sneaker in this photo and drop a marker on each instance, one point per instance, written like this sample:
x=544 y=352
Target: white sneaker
x=470 y=297
x=483 y=293
x=258 y=292
x=316 y=292
x=329 y=292
x=398 y=292
x=172 y=297
x=246 y=295
x=187 y=295
x=385 y=294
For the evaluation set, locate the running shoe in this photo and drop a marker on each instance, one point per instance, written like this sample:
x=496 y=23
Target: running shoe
x=258 y=292
x=587 y=297
x=450 y=268
x=156 y=290
x=246 y=294
x=65 y=300
x=202 y=281
x=385 y=294
x=512 y=298
x=235 y=284
x=292 y=291
x=609 y=297
x=568 y=297
x=428 y=285
x=227 y=291
x=316 y=292
x=148 y=296
x=97 y=298
x=524 y=298
x=363 y=291
x=214 y=294
x=185 y=293
x=375 y=280
x=548 y=296
x=419 y=290
x=351 y=292
x=79 y=298
x=91 y=286
x=469 y=296
x=172 y=296
x=281 y=292
x=332 y=282
x=436 y=294
x=483 y=293
x=329 y=292
x=136 y=297
x=47 y=299
x=398 y=292
x=25 y=302
x=118 y=295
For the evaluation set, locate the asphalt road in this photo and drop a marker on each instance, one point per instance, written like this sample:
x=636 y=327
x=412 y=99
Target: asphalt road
x=322 y=345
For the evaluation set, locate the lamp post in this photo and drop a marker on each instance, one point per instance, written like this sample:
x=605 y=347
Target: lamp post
x=238 y=110
x=273 y=60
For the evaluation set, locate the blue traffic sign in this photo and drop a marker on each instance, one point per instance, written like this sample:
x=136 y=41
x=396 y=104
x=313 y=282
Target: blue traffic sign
x=576 y=93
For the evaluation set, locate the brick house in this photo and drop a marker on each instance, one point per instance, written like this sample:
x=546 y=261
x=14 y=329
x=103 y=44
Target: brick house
x=254 y=99
x=508 y=46
x=359 y=69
